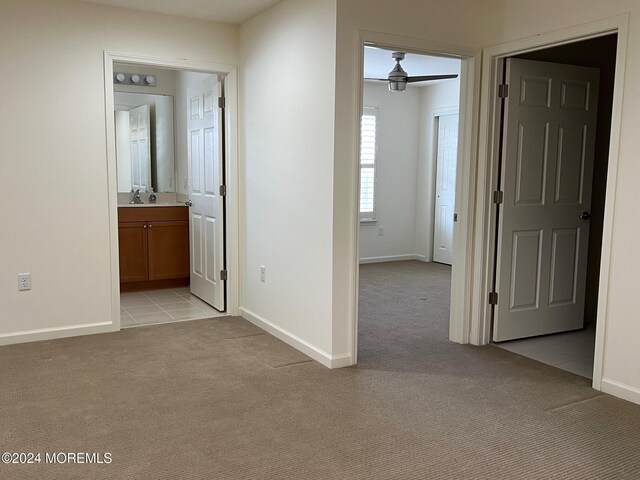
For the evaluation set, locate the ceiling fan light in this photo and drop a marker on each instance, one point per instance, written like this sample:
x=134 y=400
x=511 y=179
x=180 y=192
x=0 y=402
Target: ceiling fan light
x=397 y=86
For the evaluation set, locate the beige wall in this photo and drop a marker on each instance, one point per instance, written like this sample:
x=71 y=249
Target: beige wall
x=287 y=111
x=54 y=214
x=396 y=172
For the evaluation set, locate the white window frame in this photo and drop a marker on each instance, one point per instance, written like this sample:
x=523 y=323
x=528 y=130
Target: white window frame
x=369 y=216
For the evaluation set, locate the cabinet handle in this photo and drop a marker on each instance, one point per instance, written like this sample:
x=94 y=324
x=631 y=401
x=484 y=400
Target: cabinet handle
x=150 y=226
x=144 y=226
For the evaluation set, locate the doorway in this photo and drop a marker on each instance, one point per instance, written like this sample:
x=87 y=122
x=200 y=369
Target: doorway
x=169 y=133
x=408 y=163
x=183 y=239
x=553 y=285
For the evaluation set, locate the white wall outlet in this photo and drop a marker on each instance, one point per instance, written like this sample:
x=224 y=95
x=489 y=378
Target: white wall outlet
x=263 y=274
x=380 y=231
x=24 y=282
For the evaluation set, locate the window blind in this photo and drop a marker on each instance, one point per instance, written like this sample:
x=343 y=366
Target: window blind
x=368 y=154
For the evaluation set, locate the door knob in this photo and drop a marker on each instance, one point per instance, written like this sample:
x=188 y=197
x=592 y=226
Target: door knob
x=585 y=215
x=189 y=203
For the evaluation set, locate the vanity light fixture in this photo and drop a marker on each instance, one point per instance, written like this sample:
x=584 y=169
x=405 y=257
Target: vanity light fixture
x=134 y=79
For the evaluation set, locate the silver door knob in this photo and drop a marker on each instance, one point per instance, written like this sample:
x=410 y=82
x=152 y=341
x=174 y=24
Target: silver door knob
x=585 y=215
x=189 y=203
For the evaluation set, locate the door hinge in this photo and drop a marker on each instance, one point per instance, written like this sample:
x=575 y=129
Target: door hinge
x=455 y=217
x=221 y=102
x=223 y=190
x=493 y=298
x=503 y=90
x=498 y=197
x=223 y=275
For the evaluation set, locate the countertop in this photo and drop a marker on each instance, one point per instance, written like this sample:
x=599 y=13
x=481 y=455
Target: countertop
x=158 y=204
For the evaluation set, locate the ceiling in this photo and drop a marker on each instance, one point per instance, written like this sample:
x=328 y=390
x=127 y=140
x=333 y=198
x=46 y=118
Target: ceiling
x=225 y=11
x=378 y=63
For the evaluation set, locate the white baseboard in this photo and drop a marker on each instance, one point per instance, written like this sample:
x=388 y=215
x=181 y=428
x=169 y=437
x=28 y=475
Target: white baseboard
x=621 y=390
x=393 y=258
x=54 y=333
x=331 y=361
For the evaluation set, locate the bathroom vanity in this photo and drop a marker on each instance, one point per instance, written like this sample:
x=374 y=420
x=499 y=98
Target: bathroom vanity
x=154 y=246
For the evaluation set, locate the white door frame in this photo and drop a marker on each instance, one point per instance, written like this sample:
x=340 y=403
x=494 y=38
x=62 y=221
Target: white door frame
x=459 y=324
x=487 y=172
x=231 y=168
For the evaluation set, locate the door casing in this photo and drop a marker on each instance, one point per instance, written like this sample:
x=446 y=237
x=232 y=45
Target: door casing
x=232 y=233
x=485 y=214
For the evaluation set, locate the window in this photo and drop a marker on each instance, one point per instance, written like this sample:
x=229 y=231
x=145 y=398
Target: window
x=368 y=154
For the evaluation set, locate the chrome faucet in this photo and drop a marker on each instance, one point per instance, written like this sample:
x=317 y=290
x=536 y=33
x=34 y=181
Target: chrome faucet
x=136 y=197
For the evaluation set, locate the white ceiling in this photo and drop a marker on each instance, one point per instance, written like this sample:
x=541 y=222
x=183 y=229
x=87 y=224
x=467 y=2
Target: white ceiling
x=378 y=63
x=225 y=11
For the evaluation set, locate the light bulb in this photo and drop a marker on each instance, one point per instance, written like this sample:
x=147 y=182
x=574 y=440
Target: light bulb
x=135 y=78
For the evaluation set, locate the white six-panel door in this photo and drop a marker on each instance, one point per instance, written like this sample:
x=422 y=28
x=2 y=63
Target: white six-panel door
x=206 y=220
x=139 y=118
x=446 y=161
x=547 y=169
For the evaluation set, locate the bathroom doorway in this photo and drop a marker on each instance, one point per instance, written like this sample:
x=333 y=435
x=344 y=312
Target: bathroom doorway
x=171 y=160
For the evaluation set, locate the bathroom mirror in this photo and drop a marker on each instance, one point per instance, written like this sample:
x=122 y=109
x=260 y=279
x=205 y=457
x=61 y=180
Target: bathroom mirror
x=144 y=142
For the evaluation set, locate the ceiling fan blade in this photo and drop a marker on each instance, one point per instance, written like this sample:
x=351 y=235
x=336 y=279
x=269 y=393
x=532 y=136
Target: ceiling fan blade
x=378 y=79
x=426 y=78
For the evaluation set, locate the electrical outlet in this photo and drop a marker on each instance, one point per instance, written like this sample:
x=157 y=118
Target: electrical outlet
x=263 y=274
x=380 y=231
x=24 y=282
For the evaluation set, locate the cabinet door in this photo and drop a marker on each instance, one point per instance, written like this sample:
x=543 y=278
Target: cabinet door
x=134 y=264
x=168 y=250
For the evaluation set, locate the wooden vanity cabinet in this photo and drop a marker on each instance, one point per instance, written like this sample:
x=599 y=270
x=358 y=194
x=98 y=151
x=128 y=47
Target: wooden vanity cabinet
x=134 y=259
x=168 y=249
x=154 y=247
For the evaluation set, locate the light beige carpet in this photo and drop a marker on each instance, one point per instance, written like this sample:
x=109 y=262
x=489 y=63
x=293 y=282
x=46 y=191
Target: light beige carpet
x=219 y=399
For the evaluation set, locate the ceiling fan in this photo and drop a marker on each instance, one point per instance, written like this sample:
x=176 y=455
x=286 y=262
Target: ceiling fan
x=398 y=78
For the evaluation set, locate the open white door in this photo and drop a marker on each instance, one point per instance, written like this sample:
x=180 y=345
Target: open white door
x=547 y=168
x=206 y=219
x=446 y=161
x=140 y=148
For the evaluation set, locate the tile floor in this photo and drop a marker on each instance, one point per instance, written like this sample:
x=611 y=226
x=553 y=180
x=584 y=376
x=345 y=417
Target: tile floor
x=571 y=351
x=162 y=306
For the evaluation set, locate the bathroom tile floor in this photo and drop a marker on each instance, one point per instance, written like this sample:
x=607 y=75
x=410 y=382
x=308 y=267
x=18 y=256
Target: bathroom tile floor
x=163 y=306
x=572 y=351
